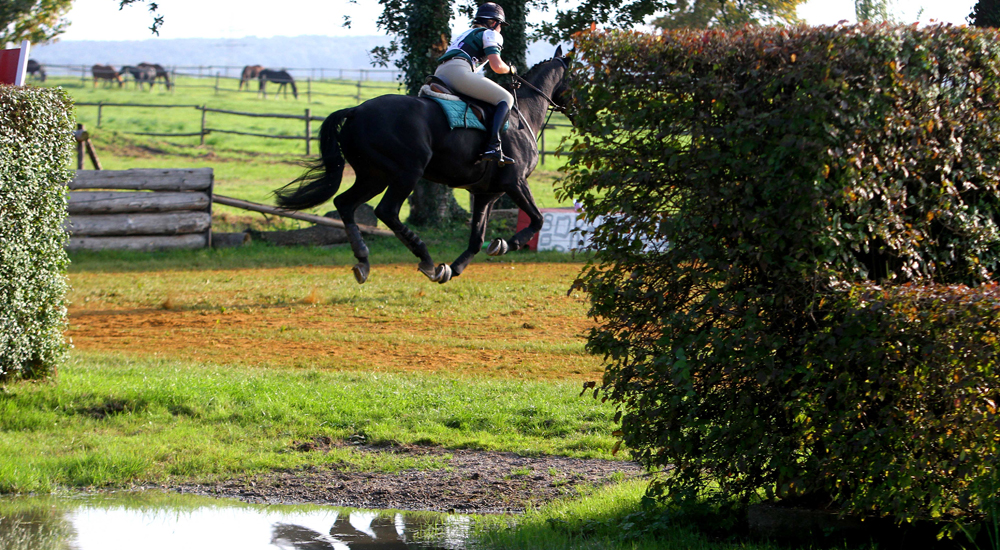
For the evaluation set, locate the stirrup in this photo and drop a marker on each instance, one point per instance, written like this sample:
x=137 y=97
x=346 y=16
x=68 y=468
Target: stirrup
x=496 y=154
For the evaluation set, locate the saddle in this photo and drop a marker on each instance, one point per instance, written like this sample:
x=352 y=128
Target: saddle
x=436 y=88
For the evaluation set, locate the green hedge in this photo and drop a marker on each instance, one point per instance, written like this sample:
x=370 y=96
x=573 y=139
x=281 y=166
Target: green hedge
x=35 y=164
x=894 y=407
x=749 y=181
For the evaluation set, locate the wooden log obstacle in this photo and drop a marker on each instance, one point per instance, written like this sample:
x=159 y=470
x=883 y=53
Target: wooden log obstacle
x=140 y=209
x=158 y=209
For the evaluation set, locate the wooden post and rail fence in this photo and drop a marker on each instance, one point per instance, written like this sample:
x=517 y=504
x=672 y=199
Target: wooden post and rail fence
x=307 y=118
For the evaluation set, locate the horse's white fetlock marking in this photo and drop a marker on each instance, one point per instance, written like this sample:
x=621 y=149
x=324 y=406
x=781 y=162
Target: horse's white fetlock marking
x=443 y=274
x=497 y=248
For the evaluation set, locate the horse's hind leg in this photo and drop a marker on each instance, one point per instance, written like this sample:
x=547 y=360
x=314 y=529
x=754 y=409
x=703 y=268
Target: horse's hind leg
x=346 y=203
x=388 y=211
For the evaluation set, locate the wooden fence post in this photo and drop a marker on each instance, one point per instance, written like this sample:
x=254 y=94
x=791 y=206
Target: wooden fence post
x=203 y=111
x=359 y=92
x=543 y=143
x=216 y=82
x=79 y=135
x=308 y=131
x=100 y=106
x=309 y=91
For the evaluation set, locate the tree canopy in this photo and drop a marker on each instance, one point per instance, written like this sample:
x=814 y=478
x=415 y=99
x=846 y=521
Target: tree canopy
x=986 y=13
x=700 y=14
x=35 y=20
x=872 y=10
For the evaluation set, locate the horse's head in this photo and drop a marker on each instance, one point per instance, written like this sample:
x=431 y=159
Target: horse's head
x=561 y=94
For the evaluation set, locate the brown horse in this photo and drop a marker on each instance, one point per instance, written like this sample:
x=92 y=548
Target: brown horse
x=250 y=72
x=106 y=73
x=160 y=72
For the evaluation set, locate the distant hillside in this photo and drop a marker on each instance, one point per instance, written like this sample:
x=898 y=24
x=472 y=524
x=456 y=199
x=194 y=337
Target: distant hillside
x=288 y=52
x=299 y=52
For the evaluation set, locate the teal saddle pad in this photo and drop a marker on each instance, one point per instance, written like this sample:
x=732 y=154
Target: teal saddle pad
x=460 y=115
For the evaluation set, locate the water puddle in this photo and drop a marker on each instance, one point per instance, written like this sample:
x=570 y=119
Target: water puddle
x=155 y=521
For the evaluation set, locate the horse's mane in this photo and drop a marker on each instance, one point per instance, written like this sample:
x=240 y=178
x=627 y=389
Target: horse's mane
x=530 y=74
x=535 y=68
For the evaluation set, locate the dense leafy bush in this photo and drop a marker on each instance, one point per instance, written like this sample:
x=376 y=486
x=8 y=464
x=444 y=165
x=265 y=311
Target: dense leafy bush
x=894 y=402
x=750 y=180
x=35 y=149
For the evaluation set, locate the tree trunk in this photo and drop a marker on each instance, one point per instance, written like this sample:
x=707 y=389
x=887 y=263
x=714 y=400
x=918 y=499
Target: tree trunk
x=432 y=204
x=428 y=33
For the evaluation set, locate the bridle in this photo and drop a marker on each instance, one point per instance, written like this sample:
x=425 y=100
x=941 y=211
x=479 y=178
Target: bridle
x=517 y=80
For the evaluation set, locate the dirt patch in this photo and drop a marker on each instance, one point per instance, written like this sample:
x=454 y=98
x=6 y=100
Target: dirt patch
x=473 y=482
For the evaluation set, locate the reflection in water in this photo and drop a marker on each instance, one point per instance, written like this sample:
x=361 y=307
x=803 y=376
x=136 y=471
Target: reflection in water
x=155 y=521
x=370 y=530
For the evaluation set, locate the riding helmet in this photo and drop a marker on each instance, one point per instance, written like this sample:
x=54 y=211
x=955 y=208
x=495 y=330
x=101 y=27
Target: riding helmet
x=491 y=10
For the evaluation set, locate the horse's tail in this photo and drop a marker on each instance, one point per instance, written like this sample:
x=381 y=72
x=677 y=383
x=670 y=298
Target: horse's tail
x=321 y=182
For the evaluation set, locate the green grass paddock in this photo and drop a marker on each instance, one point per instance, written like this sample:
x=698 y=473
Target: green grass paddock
x=110 y=421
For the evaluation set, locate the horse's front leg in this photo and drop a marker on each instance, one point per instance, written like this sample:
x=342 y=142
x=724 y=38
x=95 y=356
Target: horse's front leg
x=388 y=211
x=520 y=193
x=482 y=205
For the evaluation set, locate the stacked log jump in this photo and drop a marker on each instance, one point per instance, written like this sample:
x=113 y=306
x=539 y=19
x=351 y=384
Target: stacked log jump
x=141 y=210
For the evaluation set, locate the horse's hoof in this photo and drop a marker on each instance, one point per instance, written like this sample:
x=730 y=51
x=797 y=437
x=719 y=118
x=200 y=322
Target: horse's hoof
x=443 y=274
x=497 y=248
x=361 y=273
x=428 y=270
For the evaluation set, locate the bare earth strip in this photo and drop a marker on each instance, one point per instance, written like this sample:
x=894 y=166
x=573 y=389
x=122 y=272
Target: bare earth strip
x=474 y=482
x=529 y=340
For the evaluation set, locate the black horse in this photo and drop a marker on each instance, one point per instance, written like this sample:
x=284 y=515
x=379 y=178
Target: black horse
x=141 y=75
x=394 y=140
x=161 y=72
x=36 y=70
x=281 y=78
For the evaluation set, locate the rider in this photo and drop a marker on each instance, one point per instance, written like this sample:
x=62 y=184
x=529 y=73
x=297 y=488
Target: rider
x=462 y=69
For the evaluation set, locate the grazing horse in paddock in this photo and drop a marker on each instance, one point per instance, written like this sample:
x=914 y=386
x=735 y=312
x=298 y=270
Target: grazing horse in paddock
x=160 y=72
x=250 y=72
x=281 y=78
x=35 y=69
x=392 y=141
x=107 y=73
x=141 y=75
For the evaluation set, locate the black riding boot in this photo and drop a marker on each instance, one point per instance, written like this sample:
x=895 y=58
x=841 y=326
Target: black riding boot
x=493 y=150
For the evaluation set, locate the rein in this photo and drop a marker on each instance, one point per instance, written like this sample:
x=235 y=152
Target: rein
x=552 y=104
x=517 y=80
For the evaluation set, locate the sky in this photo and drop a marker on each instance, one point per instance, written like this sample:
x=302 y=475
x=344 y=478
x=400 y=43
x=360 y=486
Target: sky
x=102 y=20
